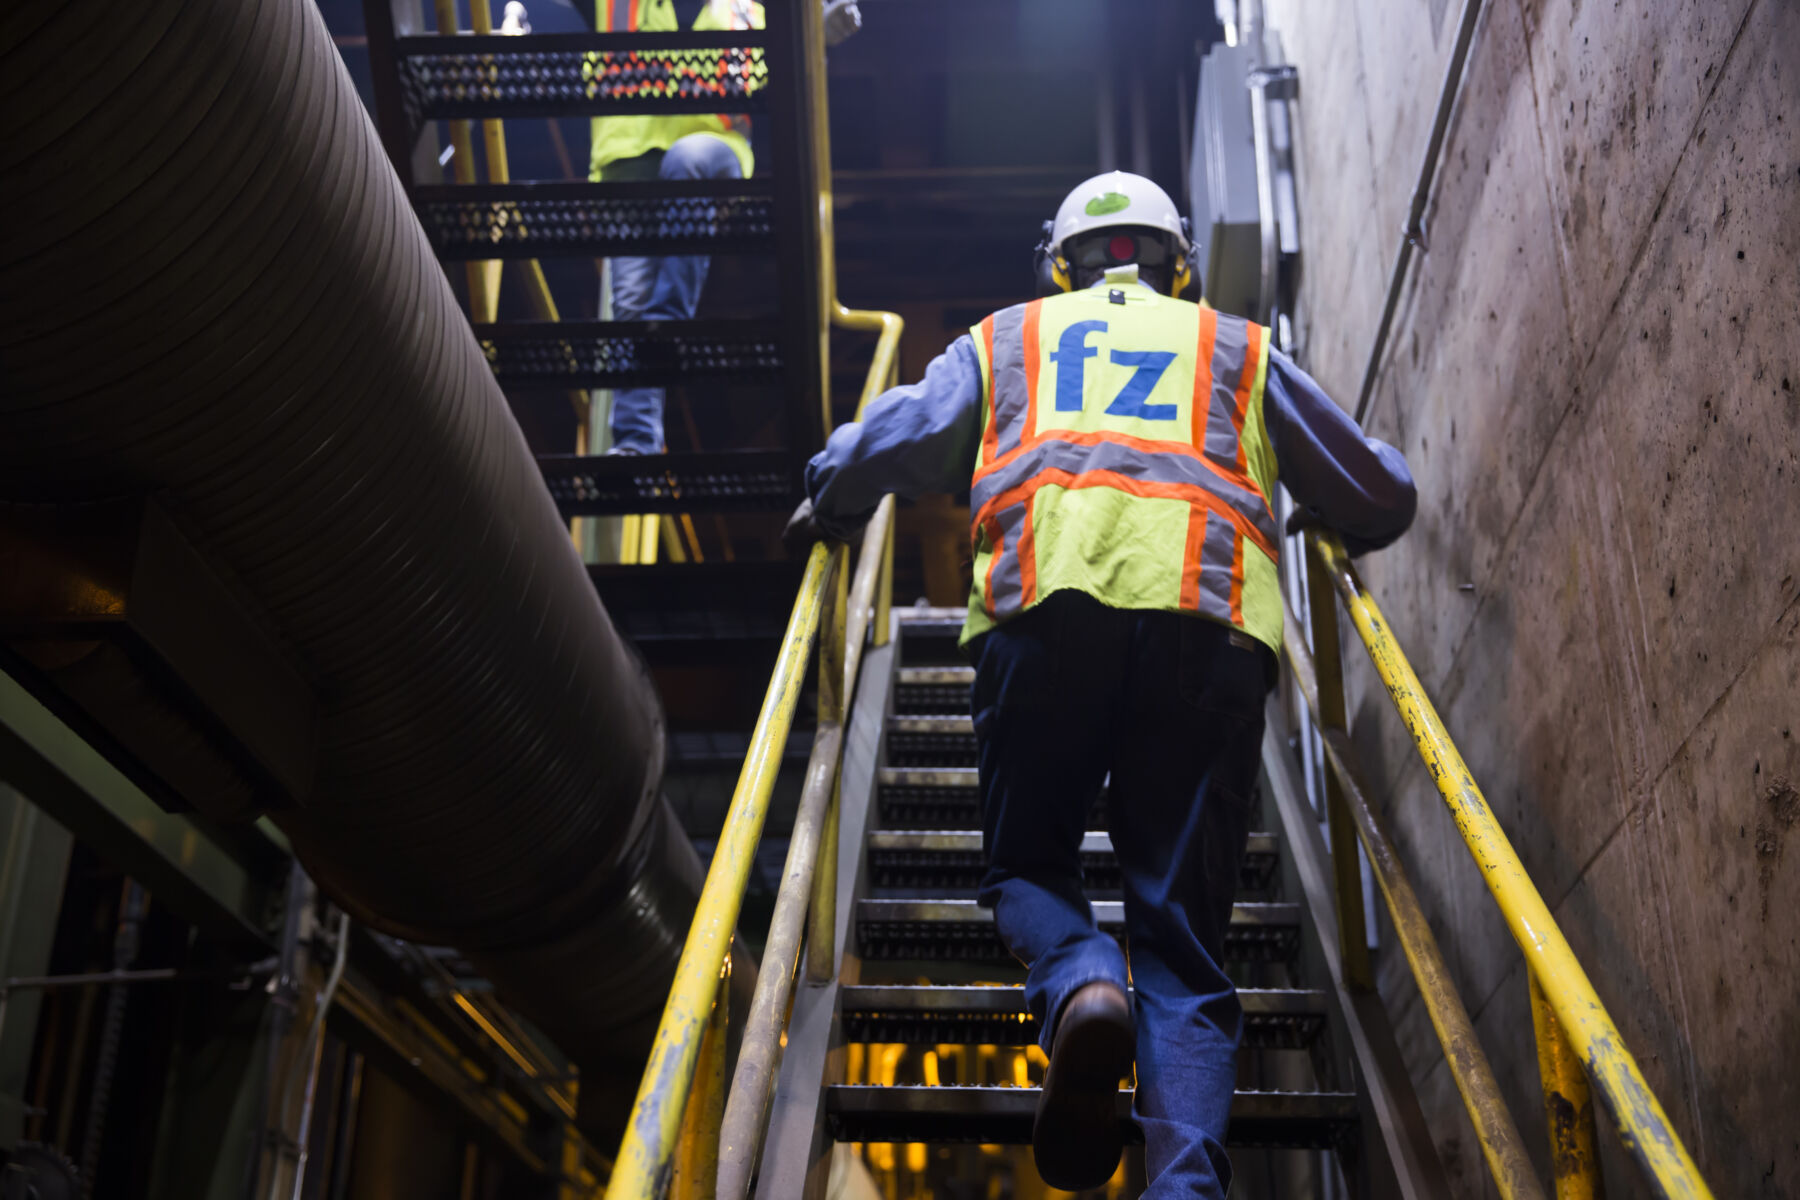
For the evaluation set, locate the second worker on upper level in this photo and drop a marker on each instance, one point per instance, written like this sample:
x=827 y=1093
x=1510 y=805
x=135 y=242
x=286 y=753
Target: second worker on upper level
x=682 y=146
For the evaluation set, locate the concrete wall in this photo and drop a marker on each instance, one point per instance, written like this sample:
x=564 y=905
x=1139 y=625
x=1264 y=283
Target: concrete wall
x=1595 y=374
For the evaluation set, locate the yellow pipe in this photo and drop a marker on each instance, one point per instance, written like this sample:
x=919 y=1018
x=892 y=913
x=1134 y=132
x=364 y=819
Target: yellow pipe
x=631 y=536
x=647 y=547
x=1643 y=1125
x=1501 y=1146
x=462 y=166
x=493 y=138
x=662 y=1093
x=1568 y=1106
x=696 y=1168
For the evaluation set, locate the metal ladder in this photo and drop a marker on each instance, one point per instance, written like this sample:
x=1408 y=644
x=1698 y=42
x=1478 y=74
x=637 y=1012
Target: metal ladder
x=928 y=995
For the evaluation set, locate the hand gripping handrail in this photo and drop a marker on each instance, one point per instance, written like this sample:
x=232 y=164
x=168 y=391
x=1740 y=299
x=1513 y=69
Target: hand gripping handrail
x=1564 y=1001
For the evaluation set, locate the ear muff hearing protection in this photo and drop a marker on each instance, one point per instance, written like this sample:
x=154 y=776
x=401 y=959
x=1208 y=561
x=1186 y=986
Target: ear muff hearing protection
x=1186 y=285
x=1049 y=270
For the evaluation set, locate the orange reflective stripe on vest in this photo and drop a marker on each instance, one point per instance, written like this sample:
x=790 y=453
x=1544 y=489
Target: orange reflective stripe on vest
x=623 y=16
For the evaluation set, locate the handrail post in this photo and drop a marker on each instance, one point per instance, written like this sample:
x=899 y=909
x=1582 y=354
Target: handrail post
x=695 y=1171
x=1568 y=1105
x=1346 y=860
x=884 y=588
x=834 y=698
x=821 y=931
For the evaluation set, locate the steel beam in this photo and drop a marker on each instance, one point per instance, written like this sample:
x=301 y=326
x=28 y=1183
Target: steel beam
x=227 y=886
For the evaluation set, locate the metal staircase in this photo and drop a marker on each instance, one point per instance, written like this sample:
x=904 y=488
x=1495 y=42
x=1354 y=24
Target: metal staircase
x=425 y=76
x=925 y=974
x=886 y=1012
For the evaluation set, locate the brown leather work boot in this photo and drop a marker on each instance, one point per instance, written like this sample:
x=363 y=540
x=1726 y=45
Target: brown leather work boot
x=1077 y=1138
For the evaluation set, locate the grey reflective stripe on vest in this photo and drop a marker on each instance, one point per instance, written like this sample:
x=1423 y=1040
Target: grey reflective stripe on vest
x=621 y=16
x=1129 y=461
x=1006 y=582
x=1217 y=557
x=1008 y=368
x=1231 y=342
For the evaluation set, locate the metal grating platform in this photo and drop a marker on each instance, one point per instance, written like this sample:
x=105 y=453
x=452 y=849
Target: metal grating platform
x=581 y=74
x=598 y=485
x=534 y=220
x=578 y=354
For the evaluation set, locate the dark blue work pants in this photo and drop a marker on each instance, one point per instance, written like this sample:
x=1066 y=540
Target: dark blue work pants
x=1165 y=711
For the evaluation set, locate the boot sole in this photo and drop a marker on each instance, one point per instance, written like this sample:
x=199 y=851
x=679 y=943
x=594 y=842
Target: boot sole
x=1076 y=1138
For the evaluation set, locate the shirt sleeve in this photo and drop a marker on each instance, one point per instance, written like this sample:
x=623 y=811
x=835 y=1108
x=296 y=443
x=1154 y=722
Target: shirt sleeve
x=912 y=440
x=1358 y=486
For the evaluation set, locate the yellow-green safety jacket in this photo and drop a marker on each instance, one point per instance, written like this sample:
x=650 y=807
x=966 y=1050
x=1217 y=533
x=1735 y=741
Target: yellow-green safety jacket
x=1123 y=453
x=619 y=138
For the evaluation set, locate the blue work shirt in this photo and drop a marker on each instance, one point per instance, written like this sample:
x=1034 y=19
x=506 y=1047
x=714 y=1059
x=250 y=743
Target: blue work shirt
x=923 y=437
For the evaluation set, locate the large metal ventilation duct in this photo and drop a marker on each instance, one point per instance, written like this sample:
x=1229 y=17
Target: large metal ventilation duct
x=272 y=531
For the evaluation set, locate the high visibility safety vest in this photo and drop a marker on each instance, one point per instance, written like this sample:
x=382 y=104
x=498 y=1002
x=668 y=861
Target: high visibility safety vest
x=1123 y=454
x=671 y=73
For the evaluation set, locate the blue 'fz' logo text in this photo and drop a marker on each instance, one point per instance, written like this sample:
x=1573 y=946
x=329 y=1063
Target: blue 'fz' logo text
x=1071 y=355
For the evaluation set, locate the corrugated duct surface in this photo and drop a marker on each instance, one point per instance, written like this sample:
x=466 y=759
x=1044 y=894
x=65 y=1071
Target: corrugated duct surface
x=212 y=289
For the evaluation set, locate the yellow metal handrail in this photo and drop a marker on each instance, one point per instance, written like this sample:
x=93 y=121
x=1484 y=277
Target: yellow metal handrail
x=662 y=1096
x=1501 y=1145
x=1565 y=1003
x=682 y=1073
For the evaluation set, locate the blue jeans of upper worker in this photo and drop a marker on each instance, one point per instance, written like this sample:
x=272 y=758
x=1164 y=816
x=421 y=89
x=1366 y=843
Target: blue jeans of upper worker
x=1165 y=711
x=660 y=289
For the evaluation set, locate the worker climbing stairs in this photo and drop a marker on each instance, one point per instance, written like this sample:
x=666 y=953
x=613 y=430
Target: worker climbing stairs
x=932 y=1007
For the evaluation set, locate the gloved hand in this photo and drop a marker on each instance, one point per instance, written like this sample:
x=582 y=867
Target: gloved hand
x=802 y=531
x=1302 y=519
x=1306 y=518
x=842 y=18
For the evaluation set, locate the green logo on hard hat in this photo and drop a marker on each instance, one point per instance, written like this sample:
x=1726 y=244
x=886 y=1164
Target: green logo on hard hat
x=1111 y=202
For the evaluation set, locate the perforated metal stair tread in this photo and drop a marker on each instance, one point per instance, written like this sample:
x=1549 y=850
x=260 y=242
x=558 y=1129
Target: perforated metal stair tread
x=578 y=354
x=938 y=777
x=962 y=931
x=581 y=74
x=939 y=724
x=932 y=691
x=1277 y=1018
x=936 y=675
x=930 y=741
x=537 y=220
x=952 y=860
x=1003 y=1115
x=744 y=480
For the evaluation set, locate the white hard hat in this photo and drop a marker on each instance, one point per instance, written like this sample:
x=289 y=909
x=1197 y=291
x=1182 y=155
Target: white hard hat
x=1114 y=200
